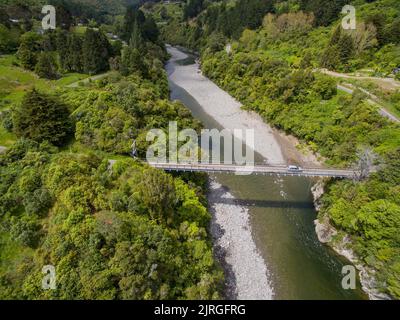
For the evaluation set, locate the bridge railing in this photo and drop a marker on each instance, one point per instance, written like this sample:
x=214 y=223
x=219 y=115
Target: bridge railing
x=257 y=169
x=248 y=165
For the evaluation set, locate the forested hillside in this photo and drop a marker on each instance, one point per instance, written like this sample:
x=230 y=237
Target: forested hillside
x=72 y=195
x=271 y=64
x=77 y=102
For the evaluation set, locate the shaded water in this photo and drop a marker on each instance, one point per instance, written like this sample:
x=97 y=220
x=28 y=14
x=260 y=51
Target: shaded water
x=281 y=216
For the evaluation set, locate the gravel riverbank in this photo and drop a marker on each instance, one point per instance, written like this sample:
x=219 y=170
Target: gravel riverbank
x=247 y=276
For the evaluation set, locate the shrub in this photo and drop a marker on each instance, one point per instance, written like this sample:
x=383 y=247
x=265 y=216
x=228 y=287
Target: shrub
x=42 y=117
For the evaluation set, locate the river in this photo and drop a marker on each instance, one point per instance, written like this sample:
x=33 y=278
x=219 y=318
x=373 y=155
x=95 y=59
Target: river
x=279 y=212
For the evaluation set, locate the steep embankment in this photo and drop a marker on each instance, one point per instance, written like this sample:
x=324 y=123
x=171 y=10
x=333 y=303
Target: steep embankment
x=342 y=245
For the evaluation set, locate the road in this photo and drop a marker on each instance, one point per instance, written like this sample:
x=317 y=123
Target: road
x=387 y=83
x=93 y=78
x=257 y=169
x=382 y=111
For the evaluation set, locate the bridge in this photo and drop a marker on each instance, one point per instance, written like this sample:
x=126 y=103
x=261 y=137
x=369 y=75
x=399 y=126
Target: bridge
x=256 y=169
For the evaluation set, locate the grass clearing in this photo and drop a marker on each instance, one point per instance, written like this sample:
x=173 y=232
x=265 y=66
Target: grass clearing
x=15 y=82
x=70 y=78
x=80 y=30
x=6 y=138
x=11 y=252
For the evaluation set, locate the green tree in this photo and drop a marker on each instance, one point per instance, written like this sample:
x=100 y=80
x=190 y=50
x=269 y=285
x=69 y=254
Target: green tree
x=46 y=66
x=41 y=117
x=74 y=59
x=150 y=30
x=61 y=39
x=96 y=51
x=393 y=32
x=216 y=42
x=164 y=13
x=132 y=62
x=378 y=19
x=27 y=56
x=136 y=40
x=8 y=40
x=192 y=8
x=4 y=17
x=337 y=33
x=346 y=48
x=28 y=50
x=133 y=17
x=26 y=230
x=156 y=191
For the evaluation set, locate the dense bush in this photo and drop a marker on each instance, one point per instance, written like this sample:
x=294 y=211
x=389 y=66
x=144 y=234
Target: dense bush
x=370 y=213
x=120 y=232
x=8 y=39
x=41 y=117
x=124 y=111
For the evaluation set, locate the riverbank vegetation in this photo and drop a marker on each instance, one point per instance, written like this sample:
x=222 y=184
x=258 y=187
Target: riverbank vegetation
x=71 y=194
x=270 y=63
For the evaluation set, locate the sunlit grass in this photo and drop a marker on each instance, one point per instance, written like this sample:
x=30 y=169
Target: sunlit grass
x=6 y=138
x=11 y=252
x=69 y=78
x=79 y=29
x=15 y=82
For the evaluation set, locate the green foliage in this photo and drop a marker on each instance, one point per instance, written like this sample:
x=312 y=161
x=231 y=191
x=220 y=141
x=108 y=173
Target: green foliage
x=110 y=119
x=28 y=49
x=150 y=30
x=26 y=230
x=215 y=42
x=325 y=11
x=136 y=25
x=193 y=8
x=41 y=118
x=8 y=39
x=89 y=54
x=46 y=66
x=132 y=62
x=96 y=51
x=291 y=27
x=370 y=213
x=114 y=230
x=325 y=87
x=72 y=60
x=216 y=18
x=120 y=232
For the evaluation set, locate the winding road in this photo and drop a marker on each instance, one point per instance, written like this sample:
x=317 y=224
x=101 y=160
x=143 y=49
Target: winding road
x=388 y=83
x=382 y=111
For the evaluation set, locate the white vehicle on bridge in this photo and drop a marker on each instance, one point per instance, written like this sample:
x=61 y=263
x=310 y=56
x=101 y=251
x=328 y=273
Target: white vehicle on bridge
x=295 y=168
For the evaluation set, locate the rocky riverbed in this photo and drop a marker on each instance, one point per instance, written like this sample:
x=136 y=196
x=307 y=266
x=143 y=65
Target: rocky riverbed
x=247 y=276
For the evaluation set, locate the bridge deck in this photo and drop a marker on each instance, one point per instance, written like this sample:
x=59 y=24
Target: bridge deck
x=257 y=169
